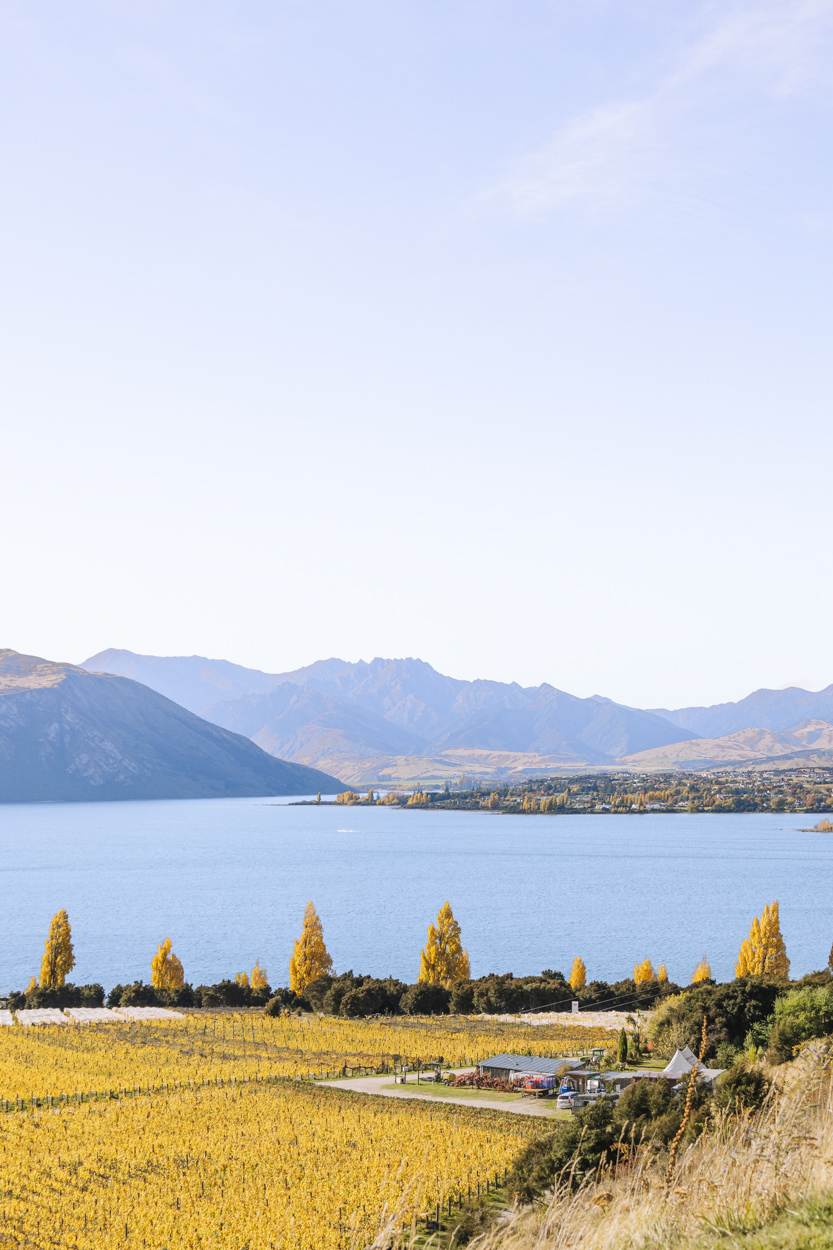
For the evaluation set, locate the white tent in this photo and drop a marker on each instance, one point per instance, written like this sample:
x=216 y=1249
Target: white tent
x=681 y=1063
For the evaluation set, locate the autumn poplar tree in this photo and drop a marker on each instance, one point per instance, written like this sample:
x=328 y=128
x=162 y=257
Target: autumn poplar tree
x=578 y=974
x=58 y=955
x=166 y=971
x=644 y=972
x=703 y=972
x=763 y=953
x=662 y=974
x=443 y=960
x=258 y=979
x=310 y=958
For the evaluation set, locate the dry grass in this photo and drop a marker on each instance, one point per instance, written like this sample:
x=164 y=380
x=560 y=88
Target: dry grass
x=734 y=1179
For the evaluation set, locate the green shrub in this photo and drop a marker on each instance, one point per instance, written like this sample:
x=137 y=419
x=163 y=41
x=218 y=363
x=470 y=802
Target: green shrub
x=425 y=1000
x=372 y=998
x=731 y=1011
x=800 y=1015
x=284 y=1000
x=647 y=1110
x=68 y=995
x=137 y=994
x=744 y=1087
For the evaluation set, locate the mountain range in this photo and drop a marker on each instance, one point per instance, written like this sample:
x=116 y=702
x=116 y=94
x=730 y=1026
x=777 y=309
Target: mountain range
x=764 y=709
x=69 y=734
x=399 y=720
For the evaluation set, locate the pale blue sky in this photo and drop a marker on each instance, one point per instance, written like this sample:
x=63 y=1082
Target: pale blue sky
x=494 y=334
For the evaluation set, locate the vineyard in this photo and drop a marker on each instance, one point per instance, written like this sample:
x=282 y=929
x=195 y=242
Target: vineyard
x=200 y=1047
x=193 y=1133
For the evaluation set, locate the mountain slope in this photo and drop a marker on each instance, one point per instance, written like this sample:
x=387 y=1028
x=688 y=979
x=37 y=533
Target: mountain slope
x=810 y=744
x=68 y=734
x=360 y=718
x=763 y=709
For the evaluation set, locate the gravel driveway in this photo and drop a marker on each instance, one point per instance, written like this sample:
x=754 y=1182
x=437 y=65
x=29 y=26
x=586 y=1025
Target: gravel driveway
x=380 y=1085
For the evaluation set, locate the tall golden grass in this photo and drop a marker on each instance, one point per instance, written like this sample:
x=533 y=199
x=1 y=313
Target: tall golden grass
x=735 y=1177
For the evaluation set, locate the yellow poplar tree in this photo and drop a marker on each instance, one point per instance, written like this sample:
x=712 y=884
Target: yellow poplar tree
x=749 y=955
x=644 y=972
x=776 y=963
x=578 y=974
x=58 y=955
x=662 y=974
x=166 y=971
x=443 y=960
x=310 y=957
x=259 y=979
x=242 y=979
x=703 y=972
x=763 y=953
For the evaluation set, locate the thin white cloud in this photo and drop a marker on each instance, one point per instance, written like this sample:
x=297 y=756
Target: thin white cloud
x=603 y=156
x=591 y=157
x=780 y=41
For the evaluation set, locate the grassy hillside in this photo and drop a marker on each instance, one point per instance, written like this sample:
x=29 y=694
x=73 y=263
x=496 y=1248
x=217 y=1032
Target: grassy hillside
x=759 y=1181
x=807 y=1226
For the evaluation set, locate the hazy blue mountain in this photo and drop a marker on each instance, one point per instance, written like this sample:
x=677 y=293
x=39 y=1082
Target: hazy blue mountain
x=355 y=713
x=764 y=709
x=302 y=723
x=192 y=681
x=67 y=734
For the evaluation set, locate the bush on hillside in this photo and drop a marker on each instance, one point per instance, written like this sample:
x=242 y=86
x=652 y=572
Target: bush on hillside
x=139 y=994
x=462 y=998
x=743 y=1088
x=731 y=1011
x=326 y=993
x=500 y=993
x=285 y=1000
x=599 y=1134
x=225 y=993
x=649 y=1112
x=68 y=995
x=425 y=1000
x=372 y=998
x=800 y=1015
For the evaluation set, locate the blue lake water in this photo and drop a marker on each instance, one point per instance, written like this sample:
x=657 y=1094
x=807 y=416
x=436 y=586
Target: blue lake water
x=227 y=880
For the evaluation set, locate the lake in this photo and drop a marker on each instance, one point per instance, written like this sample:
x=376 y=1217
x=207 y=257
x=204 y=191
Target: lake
x=227 y=880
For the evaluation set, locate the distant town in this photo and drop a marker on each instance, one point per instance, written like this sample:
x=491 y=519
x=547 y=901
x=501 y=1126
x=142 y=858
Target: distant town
x=730 y=790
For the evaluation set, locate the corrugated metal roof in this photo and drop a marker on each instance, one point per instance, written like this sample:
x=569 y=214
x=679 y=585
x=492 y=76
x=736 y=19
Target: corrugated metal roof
x=633 y=1074
x=529 y=1063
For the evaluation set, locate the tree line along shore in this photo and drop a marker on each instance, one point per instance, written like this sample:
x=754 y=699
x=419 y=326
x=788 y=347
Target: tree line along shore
x=444 y=984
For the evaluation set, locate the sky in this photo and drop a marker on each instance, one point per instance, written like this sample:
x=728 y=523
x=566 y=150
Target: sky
x=493 y=334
